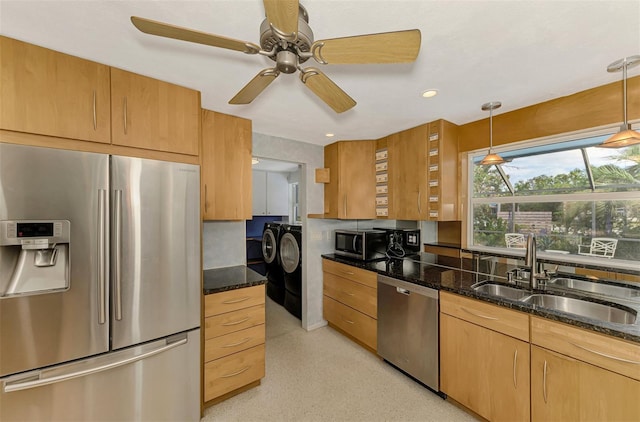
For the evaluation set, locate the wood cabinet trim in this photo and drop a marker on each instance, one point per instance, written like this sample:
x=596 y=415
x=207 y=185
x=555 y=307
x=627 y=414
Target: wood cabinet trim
x=587 y=346
x=493 y=317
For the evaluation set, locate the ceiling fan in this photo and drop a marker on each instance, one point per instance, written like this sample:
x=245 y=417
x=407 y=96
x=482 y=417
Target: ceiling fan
x=287 y=39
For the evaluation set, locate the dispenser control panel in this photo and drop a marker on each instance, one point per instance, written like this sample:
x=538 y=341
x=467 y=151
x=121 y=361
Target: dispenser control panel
x=37 y=234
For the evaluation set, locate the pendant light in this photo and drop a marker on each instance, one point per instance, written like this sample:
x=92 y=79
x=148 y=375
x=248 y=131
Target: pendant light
x=491 y=159
x=626 y=136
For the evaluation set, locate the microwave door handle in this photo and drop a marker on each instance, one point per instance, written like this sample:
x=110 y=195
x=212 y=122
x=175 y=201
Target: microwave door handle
x=355 y=241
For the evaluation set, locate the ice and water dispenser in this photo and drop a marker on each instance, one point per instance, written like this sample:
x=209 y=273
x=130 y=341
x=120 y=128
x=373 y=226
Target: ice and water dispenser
x=34 y=256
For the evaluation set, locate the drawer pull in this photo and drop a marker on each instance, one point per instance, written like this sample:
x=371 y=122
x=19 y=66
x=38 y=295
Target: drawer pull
x=226 y=324
x=478 y=315
x=242 y=299
x=348 y=273
x=245 y=369
x=515 y=365
x=347 y=321
x=544 y=381
x=238 y=343
x=347 y=293
x=634 y=362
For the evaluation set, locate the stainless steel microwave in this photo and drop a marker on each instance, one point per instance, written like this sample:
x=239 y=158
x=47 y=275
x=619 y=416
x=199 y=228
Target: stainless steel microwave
x=364 y=245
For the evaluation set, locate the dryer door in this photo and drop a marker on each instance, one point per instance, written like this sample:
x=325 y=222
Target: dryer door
x=289 y=253
x=269 y=248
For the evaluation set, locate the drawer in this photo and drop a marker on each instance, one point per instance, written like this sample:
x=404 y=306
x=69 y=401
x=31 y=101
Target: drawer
x=219 y=303
x=382 y=212
x=381 y=189
x=358 y=325
x=493 y=317
x=220 y=325
x=358 y=296
x=382 y=200
x=368 y=278
x=382 y=154
x=600 y=350
x=229 y=373
x=381 y=166
x=382 y=178
x=231 y=343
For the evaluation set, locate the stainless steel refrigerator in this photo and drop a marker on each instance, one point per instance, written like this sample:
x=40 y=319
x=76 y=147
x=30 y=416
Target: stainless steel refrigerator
x=99 y=287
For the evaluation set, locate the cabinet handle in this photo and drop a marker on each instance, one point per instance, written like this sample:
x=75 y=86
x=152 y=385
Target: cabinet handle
x=419 y=206
x=478 y=315
x=347 y=293
x=345 y=206
x=634 y=362
x=544 y=381
x=238 y=343
x=515 y=364
x=124 y=108
x=347 y=321
x=205 y=198
x=348 y=272
x=232 y=301
x=227 y=324
x=245 y=369
x=95 y=118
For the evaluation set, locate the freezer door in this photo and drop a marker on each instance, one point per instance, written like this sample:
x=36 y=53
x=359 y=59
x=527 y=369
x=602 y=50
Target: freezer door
x=155 y=258
x=46 y=327
x=157 y=381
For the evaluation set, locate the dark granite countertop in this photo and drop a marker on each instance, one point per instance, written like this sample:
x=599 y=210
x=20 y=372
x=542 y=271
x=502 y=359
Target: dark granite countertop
x=228 y=278
x=457 y=276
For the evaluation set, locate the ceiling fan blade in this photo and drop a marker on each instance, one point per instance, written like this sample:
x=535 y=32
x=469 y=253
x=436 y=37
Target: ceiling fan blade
x=326 y=89
x=386 y=47
x=149 y=26
x=251 y=90
x=283 y=17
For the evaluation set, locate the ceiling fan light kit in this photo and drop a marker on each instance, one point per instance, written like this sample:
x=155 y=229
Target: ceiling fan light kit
x=491 y=158
x=626 y=136
x=287 y=39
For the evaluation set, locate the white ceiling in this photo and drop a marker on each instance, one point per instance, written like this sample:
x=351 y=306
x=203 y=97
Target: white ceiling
x=516 y=52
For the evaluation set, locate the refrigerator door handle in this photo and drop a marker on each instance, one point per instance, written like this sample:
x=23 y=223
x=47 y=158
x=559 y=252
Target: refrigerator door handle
x=28 y=380
x=117 y=256
x=102 y=257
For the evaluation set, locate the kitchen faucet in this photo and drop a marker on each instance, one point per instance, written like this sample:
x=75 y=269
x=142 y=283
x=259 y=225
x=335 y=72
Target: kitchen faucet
x=536 y=279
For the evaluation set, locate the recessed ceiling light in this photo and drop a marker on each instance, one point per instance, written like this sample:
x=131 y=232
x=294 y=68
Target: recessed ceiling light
x=430 y=93
x=330 y=135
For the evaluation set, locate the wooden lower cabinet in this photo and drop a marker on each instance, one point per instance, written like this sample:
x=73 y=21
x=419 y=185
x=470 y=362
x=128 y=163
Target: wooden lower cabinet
x=350 y=301
x=234 y=346
x=486 y=371
x=567 y=389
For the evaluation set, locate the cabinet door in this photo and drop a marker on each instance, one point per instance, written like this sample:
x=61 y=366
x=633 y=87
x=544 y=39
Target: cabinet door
x=152 y=114
x=408 y=157
x=357 y=183
x=486 y=371
x=226 y=167
x=259 y=194
x=50 y=93
x=565 y=389
x=277 y=194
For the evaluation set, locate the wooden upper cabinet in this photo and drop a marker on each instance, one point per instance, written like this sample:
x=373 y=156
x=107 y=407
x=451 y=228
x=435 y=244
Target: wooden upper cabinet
x=442 y=171
x=226 y=167
x=152 y=114
x=407 y=169
x=423 y=173
x=50 y=93
x=351 y=191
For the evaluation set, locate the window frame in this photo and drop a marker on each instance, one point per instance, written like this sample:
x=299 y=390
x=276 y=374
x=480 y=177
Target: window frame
x=586 y=197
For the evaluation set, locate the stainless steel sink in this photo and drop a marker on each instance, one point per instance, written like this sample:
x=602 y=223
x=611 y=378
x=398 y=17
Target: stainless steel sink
x=599 y=311
x=597 y=288
x=502 y=291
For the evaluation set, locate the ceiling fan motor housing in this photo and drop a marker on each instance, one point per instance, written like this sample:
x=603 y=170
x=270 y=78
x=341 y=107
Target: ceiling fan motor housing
x=287 y=55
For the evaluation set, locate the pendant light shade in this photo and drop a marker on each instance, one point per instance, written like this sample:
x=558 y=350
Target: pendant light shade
x=491 y=158
x=626 y=136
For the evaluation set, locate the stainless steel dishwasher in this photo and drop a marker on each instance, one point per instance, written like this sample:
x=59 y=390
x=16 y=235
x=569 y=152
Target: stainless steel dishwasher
x=408 y=329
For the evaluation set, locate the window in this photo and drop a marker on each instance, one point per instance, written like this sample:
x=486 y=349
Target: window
x=567 y=192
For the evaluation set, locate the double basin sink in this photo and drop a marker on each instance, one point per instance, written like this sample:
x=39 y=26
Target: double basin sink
x=608 y=310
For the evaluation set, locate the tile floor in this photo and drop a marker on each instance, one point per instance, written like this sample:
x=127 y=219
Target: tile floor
x=323 y=376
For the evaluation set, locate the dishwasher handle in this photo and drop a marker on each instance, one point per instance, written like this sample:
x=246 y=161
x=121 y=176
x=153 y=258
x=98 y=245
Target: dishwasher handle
x=403 y=291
